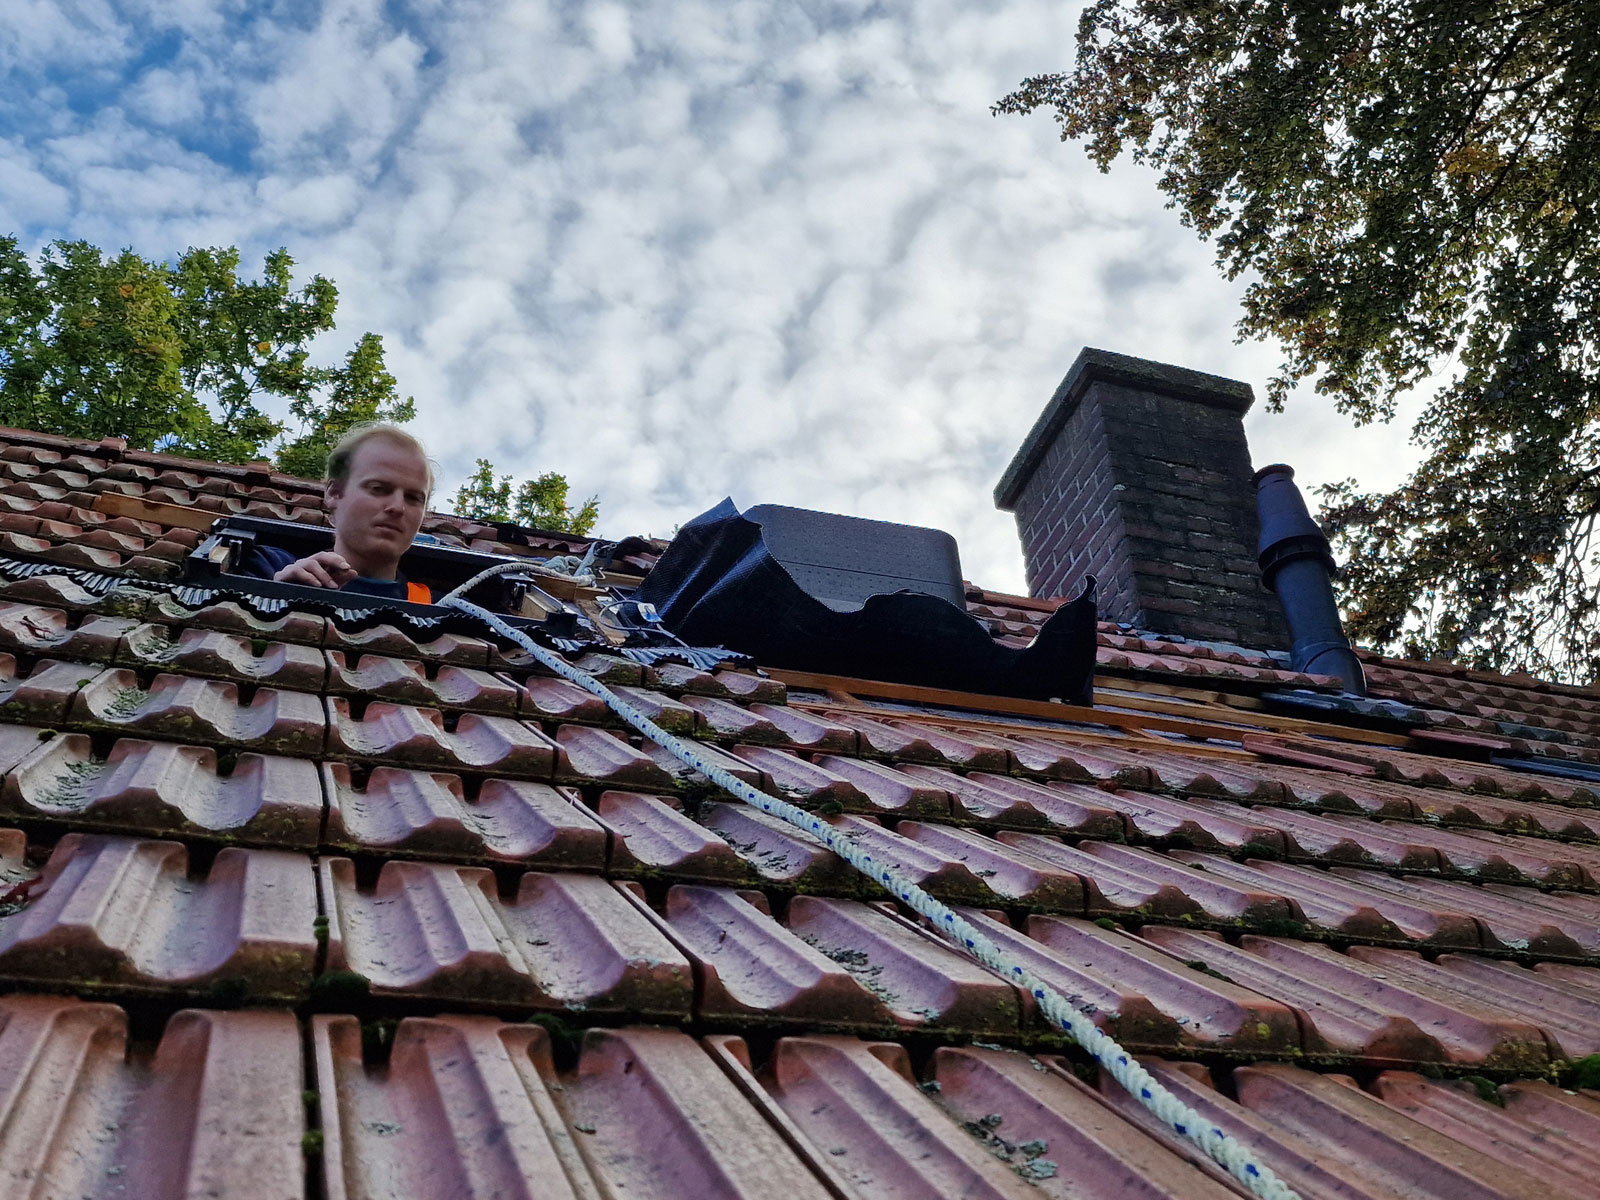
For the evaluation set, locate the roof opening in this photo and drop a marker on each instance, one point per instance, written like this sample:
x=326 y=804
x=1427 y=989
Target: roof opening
x=215 y=562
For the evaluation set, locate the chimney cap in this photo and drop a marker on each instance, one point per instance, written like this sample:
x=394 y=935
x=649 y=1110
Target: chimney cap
x=1094 y=366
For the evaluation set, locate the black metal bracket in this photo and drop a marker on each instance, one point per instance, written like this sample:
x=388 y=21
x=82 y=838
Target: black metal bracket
x=214 y=562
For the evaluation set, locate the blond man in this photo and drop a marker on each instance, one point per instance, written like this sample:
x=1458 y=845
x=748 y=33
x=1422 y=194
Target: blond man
x=379 y=480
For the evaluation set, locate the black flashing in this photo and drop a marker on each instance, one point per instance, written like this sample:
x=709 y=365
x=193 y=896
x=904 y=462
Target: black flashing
x=844 y=561
x=720 y=582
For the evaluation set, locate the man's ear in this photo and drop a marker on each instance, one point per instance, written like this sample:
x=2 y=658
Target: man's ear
x=332 y=494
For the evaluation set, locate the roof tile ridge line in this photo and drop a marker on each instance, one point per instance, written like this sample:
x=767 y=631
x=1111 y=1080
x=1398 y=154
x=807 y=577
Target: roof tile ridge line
x=1228 y=1152
x=1448 y=669
x=38 y=438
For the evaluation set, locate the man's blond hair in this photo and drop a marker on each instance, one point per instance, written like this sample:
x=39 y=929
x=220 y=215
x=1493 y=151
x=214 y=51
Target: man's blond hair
x=344 y=451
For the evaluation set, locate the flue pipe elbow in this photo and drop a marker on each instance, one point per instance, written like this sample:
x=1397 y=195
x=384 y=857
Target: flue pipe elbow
x=1297 y=563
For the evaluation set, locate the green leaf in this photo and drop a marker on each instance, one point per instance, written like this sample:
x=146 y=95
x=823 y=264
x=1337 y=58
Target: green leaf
x=540 y=503
x=179 y=356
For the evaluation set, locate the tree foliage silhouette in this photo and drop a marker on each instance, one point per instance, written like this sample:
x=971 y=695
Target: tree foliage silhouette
x=1409 y=187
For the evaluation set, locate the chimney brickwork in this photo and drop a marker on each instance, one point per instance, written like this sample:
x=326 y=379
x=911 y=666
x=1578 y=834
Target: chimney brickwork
x=1138 y=473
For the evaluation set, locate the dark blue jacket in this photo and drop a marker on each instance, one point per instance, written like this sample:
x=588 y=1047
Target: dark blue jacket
x=263 y=562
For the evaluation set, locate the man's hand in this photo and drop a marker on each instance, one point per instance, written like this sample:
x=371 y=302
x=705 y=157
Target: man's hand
x=323 y=569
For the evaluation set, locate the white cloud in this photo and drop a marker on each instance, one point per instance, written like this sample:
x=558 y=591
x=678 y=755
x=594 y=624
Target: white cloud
x=28 y=196
x=676 y=251
x=610 y=33
x=339 y=91
x=312 y=204
x=166 y=98
x=85 y=32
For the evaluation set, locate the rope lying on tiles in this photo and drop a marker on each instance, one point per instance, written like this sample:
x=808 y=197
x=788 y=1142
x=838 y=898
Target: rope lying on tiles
x=1179 y=1117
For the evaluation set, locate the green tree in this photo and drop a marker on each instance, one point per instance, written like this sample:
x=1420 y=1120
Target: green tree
x=359 y=391
x=180 y=356
x=89 y=347
x=540 y=502
x=1409 y=187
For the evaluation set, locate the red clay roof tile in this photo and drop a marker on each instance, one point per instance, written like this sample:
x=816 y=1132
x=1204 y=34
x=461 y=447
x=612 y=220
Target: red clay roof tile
x=751 y=967
x=220 y=655
x=410 y=1125
x=679 y=679
x=1334 y=906
x=687 y=776
x=1052 y=1119
x=426 y=930
x=430 y=814
x=922 y=980
x=166 y=788
x=596 y=755
x=214 y=1108
x=650 y=834
x=41 y=694
x=405 y=735
x=1520 y=1141
x=746 y=685
x=389 y=640
x=1012 y=874
x=672 y=715
x=127 y=914
x=203 y=710
x=659 y=1118
x=36 y=629
x=888 y=791
x=879 y=738
x=720 y=718
x=560 y=700
x=1375 y=1145
x=232 y=617
x=860 y=1102
x=1204 y=823
x=801 y=781
x=1551 y=925
x=779 y=854
x=1160 y=1000
x=960 y=748
x=1021 y=803
x=923 y=863
x=408 y=681
x=1110 y=888
x=414 y=750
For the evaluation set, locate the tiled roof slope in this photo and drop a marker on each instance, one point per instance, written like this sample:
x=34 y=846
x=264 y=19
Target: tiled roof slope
x=296 y=909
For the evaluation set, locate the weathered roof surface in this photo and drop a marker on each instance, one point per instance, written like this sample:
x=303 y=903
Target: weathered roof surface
x=293 y=907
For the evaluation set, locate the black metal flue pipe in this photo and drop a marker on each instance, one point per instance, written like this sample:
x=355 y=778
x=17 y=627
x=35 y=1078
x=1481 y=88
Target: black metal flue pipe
x=1297 y=563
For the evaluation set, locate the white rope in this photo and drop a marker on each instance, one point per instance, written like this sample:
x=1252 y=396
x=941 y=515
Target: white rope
x=1233 y=1155
x=456 y=598
x=566 y=566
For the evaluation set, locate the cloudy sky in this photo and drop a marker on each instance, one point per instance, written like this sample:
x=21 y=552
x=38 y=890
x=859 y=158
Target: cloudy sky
x=779 y=251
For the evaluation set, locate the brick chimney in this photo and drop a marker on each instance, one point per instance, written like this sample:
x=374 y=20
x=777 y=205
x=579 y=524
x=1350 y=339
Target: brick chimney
x=1138 y=473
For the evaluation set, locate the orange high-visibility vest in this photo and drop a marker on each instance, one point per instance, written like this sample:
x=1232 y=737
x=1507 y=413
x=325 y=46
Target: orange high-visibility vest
x=419 y=593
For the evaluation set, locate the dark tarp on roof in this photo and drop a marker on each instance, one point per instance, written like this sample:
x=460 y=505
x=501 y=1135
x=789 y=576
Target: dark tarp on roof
x=719 y=584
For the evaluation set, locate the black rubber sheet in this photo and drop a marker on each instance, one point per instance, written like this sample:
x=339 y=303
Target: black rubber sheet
x=718 y=584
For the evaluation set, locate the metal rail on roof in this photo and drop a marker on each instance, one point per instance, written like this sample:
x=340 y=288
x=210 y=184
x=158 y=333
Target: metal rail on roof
x=215 y=562
x=264 y=599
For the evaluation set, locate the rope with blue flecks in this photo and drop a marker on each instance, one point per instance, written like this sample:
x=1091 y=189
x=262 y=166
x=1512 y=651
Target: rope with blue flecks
x=1230 y=1153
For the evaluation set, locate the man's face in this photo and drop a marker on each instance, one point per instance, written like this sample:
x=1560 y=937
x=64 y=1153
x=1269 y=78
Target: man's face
x=379 y=509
